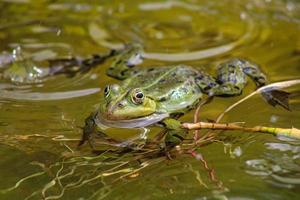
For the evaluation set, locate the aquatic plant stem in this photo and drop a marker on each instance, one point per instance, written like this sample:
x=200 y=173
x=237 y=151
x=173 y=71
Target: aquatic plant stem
x=210 y=170
x=289 y=132
x=196 y=115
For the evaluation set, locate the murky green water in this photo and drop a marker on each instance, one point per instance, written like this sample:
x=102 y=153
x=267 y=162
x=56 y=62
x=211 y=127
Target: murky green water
x=40 y=123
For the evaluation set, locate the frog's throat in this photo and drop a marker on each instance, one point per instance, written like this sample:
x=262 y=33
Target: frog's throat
x=131 y=123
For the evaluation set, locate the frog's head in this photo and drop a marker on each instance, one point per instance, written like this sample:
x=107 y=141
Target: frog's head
x=120 y=104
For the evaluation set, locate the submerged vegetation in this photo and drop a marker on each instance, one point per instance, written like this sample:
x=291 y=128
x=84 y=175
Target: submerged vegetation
x=117 y=162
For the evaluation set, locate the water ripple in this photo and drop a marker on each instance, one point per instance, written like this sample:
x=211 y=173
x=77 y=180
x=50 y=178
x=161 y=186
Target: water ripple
x=183 y=40
x=280 y=167
x=39 y=96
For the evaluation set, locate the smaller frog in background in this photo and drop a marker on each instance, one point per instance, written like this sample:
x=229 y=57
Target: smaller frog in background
x=159 y=95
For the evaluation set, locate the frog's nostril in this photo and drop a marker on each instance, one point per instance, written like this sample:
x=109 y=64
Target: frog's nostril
x=120 y=105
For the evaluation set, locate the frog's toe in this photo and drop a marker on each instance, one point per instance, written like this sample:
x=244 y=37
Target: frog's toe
x=277 y=97
x=174 y=138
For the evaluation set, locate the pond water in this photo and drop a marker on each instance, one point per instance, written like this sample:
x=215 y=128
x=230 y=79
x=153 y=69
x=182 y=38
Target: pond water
x=40 y=122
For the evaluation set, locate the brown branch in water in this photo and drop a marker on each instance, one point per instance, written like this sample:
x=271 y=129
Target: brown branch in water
x=196 y=115
x=289 y=132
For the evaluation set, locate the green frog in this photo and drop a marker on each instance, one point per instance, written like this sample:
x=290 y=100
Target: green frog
x=159 y=95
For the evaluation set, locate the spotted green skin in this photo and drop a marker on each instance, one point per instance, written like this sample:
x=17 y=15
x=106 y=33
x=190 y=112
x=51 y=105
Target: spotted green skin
x=170 y=89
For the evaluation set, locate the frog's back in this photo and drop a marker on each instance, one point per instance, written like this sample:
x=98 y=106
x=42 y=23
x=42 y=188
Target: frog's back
x=173 y=87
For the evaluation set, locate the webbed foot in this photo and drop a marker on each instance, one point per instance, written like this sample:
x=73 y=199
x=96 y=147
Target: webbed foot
x=175 y=133
x=277 y=97
x=91 y=134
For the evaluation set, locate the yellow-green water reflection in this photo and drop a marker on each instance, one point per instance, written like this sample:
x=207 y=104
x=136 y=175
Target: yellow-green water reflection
x=39 y=123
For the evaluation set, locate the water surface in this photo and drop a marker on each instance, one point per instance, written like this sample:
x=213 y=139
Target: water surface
x=40 y=123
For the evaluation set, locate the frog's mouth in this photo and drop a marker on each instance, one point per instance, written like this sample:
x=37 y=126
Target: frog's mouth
x=131 y=123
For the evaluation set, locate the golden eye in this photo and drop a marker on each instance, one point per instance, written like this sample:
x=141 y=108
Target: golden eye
x=107 y=91
x=138 y=96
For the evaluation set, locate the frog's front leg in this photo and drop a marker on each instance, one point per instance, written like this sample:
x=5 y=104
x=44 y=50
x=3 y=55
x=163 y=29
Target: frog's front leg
x=175 y=133
x=125 y=60
x=91 y=132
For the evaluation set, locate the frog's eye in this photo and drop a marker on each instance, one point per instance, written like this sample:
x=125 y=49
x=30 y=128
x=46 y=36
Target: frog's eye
x=107 y=91
x=138 y=96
